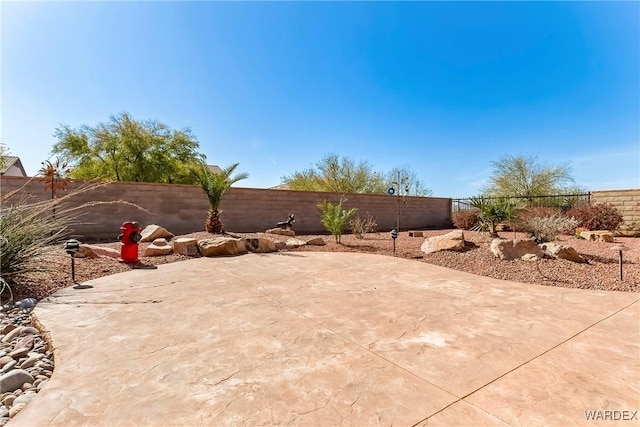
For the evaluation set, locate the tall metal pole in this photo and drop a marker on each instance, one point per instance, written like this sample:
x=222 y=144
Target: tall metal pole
x=398 y=204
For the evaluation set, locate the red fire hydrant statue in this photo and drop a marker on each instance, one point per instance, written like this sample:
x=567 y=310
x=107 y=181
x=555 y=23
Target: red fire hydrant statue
x=129 y=238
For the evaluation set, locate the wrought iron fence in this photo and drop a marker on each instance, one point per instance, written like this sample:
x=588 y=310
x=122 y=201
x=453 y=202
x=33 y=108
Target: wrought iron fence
x=561 y=201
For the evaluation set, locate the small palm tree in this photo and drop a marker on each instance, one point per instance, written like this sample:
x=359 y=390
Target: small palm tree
x=335 y=218
x=493 y=212
x=215 y=184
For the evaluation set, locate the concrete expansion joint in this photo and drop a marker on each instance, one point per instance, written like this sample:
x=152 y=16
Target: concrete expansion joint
x=551 y=348
x=425 y=421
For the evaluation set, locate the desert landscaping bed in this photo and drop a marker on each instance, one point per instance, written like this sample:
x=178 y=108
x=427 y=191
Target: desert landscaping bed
x=601 y=272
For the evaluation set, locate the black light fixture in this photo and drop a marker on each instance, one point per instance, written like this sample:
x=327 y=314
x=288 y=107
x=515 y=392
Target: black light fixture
x=619 y=247
x=72 y=247
x=394 y=236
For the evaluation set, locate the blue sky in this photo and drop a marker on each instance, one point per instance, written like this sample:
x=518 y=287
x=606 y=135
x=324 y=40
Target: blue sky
x=441 y=87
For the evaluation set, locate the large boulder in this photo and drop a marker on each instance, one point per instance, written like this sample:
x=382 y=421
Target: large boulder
x=452 y=241
x=316 y=241
x=159 y=247
x=185 y=246
x=221 y=246
x=153 y=232
x=95 y=251
x=261 y=244
x=556 y=250
x=525 y=249
x=281 y=232
x=597 y=236
x=294 y=243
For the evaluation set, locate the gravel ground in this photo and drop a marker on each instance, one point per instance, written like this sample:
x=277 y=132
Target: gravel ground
x=601 y=271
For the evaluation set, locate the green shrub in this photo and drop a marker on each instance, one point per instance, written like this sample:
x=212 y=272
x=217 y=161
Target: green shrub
x=598 y=216
x=335 y=218
x=361 y=226
x=548 y=228
x=466 y=219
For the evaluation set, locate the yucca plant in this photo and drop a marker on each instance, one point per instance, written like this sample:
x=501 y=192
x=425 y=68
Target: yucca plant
x=215 y=185
x=335 y=218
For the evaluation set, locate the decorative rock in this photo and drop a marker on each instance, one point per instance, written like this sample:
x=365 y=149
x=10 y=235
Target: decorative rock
x=316 y=241
x=15 y=409
x=30 y=361
x=8 y=328
x=8 y=401
x=280 y=244
x=153 y=231
x=100 y=251
x=12 y=380
x=25 y=342
x=28 y=330
x=556 y=250
x=530 y=257
x=24 y=398
x=5 y=360
x=186 y=246
x=597 y=236
x=86 y=251
x=281 y=231
x=513 y=249
x=452 y=241
x=41 y=384
x=159 y=247
x=27 y=303
x=9 y=366
x=221 y=246
x=294 y=243
x=19 y=352
x=11 y=335
x=260 y=244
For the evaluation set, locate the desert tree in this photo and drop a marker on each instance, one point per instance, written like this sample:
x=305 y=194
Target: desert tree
x=125 y=149
x=526 y=176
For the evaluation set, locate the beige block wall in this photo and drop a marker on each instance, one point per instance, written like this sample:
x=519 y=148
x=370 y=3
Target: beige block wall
x=627 y=202
x=183 y=208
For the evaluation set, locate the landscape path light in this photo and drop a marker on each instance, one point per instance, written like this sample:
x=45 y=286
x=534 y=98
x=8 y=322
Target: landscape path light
x=394 y=236
x=72 y=246
x=619 y=247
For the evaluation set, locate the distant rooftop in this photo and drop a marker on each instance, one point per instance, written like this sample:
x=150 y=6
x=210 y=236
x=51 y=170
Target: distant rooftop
x=215 y=168
x=12 y=167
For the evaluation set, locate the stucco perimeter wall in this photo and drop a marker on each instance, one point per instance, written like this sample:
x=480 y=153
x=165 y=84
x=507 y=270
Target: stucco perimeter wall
x=628 y=204
x=183 y=208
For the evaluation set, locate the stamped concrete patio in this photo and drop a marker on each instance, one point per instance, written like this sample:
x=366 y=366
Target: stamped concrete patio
x=334 y=339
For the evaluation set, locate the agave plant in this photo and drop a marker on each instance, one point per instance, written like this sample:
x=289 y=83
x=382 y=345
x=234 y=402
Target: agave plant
x=215 y=185
x=493 y=212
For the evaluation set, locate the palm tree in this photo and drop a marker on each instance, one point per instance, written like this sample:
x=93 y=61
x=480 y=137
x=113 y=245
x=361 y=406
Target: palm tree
x=492 y=212
x=215 y=184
